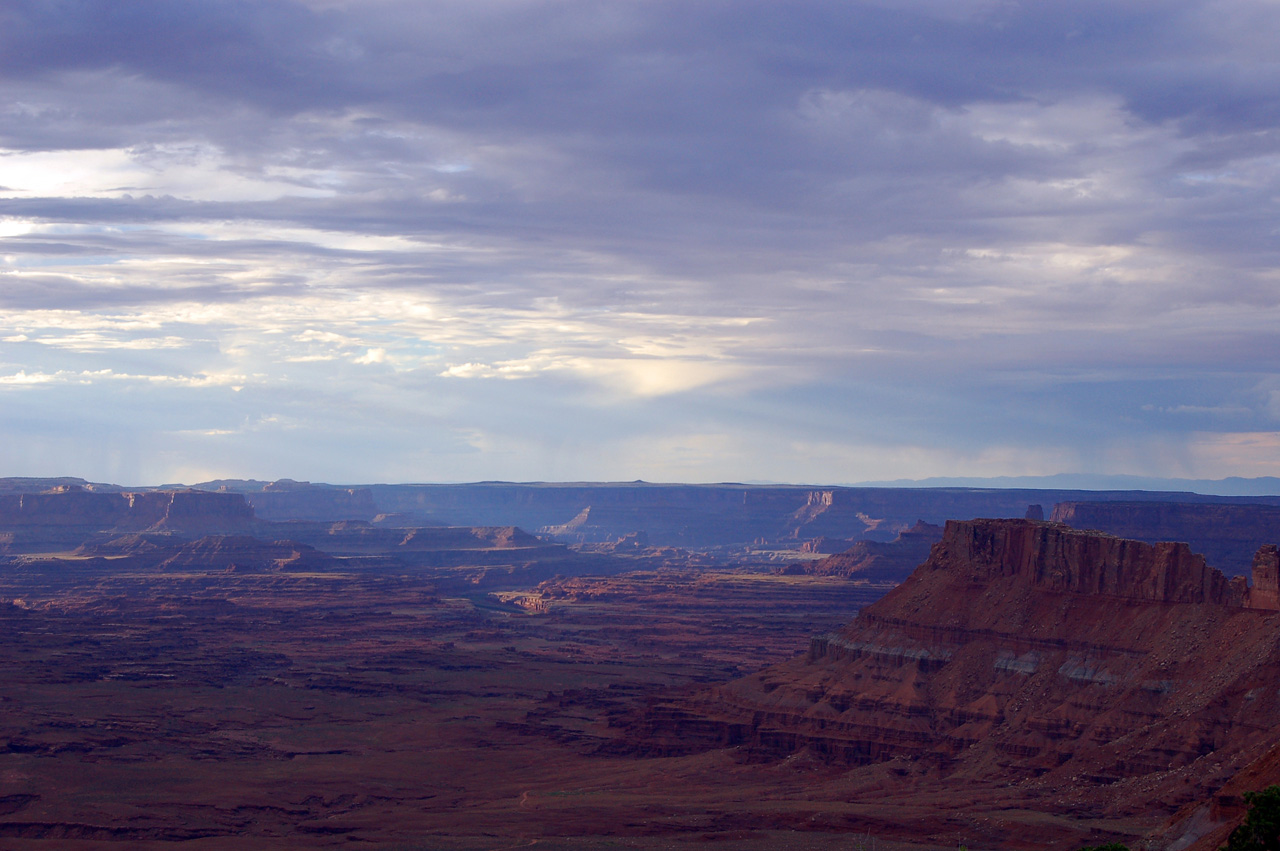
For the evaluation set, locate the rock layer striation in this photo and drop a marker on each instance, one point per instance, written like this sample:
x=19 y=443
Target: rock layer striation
x=1226 y=534
x=875 y=561
x=1076 y=672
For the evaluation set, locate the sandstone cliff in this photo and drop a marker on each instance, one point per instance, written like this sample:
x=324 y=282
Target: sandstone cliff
x=1226 y=535
x=290 y=500
x=1074 y=672
x=358 y=538
x=244 y=554
x=722 y=514
x=875 y=561
x=69 y=515
x=75 y=506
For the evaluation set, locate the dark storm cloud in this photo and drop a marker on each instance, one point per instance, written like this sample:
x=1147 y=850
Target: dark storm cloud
x=685 y=107
x=709 y=70
x=680 y=100
x=228 y=47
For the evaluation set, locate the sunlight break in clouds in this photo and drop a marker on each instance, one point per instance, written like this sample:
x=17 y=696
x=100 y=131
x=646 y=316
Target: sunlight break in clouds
x=615 y=376
x=197 y=173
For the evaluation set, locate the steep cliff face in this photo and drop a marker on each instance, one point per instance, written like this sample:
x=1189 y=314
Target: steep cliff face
x=875 y=561
x=65 y=506
x=241 y=553
x=289 y=500
x=722 y=514
x=1226 y=535
x=1077 y=672
x=827 y=513
x=1056 y=558
x=188 y=510
x=69 y=515
x=355 y=538
x=1265 y=593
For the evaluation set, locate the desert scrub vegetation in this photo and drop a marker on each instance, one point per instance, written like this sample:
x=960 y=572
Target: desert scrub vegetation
x=1260 y=830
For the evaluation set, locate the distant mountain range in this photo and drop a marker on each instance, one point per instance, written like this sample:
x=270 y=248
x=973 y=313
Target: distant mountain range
x=1233 y=486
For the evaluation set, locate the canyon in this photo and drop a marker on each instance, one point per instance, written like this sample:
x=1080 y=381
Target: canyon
x=319 y=667
x=875 y=561
x=1227 y=535
x=729 y=520
x=1026 y=671
x=711 y=515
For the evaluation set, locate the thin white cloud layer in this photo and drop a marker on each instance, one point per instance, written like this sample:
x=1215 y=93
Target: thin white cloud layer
x=809 y=241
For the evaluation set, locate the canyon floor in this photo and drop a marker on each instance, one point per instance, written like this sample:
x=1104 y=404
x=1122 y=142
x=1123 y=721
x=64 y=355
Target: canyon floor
x=365 y=710
x=176 y=671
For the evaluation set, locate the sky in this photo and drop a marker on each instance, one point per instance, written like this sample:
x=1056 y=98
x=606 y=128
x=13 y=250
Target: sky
x=680 y=241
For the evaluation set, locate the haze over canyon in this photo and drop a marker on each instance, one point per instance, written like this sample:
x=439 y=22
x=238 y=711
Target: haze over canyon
x=814 y=425
x=248 y=664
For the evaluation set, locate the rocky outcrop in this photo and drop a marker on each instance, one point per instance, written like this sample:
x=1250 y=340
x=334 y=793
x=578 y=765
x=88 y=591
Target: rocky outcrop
x=702 y=516
x=1075 y=671
x=189 y=510
x=1054 y=557
x=826 y=545
x=828 y=513
x=578 y=530
x=359 y=538
x=28 y=484
x=290 y=500
x=1265 y=593
x=69 y=515
x=1227 y=535
x=63 y=506
x=874 y=561
x=712 y=515
x=457 y=556
x=636 y=542
x=244 y=554
x=75 y=506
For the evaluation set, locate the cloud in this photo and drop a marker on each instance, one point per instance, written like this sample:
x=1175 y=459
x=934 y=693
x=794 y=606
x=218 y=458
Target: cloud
x=972 y=234
x=635 y=377
x=22 y=379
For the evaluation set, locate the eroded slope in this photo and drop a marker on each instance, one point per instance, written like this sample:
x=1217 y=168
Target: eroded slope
x=1067 y=672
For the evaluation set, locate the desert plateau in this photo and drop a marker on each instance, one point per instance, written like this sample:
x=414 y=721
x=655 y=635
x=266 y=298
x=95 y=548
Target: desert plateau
x=479 y=425
x=286 y=665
